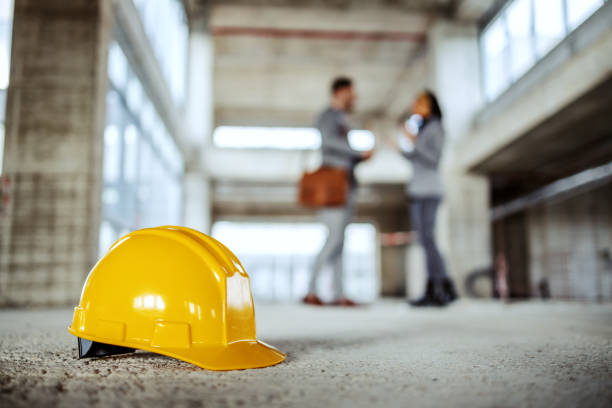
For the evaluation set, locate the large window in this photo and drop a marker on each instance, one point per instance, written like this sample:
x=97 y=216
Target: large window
x=6 y=25
x=523 y=32
x=257 y=137
x=279 y=256
x=165 y=23
x=580 y=10
x=142 y=165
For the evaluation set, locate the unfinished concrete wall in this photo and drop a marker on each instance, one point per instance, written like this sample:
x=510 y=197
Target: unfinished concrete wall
x=53 y=152
x=570 y=246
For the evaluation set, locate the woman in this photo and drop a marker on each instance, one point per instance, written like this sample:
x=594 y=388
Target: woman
x=425 y=191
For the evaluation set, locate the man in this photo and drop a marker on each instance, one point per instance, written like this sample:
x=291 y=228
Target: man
x=337 y=153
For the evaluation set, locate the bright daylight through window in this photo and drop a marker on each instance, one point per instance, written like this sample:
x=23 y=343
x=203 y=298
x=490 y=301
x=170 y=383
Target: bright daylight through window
x=6 y=25
x=165 y=24
x=142 y=162
x=524 y=32
x=259 y=137
x=279 y=257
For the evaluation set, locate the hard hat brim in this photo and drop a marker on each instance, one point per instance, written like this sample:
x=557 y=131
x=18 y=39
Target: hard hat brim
x=238 y=355
x=235 y=356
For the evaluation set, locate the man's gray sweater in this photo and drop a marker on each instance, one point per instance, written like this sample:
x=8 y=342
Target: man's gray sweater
x=335 y=147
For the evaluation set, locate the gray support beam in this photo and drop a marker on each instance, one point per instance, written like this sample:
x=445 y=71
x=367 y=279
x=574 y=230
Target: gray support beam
x=560 y=189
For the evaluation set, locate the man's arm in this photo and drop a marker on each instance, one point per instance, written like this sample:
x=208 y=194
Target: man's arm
x=332 y=141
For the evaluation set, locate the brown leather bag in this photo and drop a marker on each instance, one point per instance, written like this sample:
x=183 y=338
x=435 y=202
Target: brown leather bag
x=325 y=187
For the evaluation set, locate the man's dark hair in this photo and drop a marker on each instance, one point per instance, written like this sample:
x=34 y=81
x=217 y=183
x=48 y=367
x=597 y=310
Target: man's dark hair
x=341 y=83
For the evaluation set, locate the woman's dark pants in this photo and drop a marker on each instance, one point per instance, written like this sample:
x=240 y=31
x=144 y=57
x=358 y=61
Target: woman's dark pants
x=423 y=214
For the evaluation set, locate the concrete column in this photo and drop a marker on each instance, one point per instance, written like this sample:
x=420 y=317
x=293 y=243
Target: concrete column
x=464 y=225
x=200 y=107
x=392 y=258
x=454 y=61
x=197 y=201
x=53 y=152
x=200 y=118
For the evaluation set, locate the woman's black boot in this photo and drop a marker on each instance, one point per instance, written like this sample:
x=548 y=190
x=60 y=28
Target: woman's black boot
x=449 y=290
x=434 y=295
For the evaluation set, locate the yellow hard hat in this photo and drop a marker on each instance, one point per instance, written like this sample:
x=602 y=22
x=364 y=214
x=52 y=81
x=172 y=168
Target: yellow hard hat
x=173 y=291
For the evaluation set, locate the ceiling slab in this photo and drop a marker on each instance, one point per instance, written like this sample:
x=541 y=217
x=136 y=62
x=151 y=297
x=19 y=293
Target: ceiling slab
x=357 y=19
x=280 y=55
x=474 y=10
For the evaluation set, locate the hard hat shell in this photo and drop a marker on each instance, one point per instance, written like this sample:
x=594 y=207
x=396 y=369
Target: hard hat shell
x=173 y=291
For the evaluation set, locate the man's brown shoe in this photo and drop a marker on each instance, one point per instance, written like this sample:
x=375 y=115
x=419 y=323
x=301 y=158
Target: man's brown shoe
x=345 y=302
x=312 y=299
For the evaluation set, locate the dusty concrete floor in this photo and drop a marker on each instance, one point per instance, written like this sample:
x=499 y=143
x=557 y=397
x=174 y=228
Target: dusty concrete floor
x=471 y=355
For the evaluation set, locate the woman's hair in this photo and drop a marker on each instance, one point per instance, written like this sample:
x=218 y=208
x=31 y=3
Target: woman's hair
x=433 y=103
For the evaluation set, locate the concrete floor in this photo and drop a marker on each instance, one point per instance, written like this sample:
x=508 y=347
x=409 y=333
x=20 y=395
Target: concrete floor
x=472 y=354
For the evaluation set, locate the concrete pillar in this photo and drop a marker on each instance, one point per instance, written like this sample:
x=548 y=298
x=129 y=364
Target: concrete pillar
x=392 y=257
x=200 y=107
x=200 y=118
x=197 y=201
x=464 y=225
x=53 y=152
x=454 y=60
